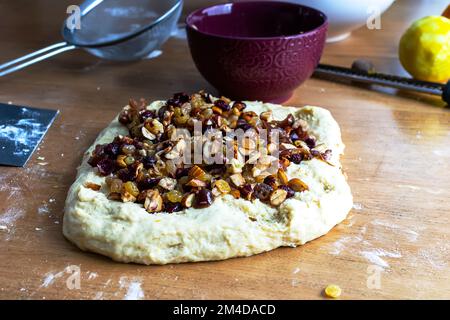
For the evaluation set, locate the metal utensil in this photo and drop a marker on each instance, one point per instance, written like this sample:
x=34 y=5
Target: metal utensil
x=121 y=30
x=21 y=131
x=386 y=80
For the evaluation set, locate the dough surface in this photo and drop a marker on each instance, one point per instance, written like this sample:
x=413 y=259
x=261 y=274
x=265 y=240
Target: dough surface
x=230 y=227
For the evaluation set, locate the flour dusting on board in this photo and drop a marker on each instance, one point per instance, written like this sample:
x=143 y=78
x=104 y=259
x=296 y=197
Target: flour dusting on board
x=134 y=289
x=376 y=255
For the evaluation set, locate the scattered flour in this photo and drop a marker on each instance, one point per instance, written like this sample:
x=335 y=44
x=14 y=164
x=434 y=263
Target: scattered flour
x=296 y=270
x=134 y=290
x=376 y=255
x=92 y=275
x=50 y=277
x=358 y=206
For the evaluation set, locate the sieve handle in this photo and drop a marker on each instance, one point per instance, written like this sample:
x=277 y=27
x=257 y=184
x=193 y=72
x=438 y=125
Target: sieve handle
x=34 y=57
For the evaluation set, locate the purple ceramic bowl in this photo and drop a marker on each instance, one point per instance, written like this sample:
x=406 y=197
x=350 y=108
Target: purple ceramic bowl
x=256 y=50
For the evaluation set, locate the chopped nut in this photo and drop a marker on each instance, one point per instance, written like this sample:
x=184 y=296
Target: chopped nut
x=333 y=291
x=115 y=196
x=237 y=179
x=154 y=126
x=167 y=183
x=266 y=116
x=277 y=197
x=236 y=165
x=297 y=185
x=115 y=186
x=92 y=186
x=188 y=200
x=120 y=161
x=235 y=193
x=153 y=201
x=196 y=172
x=282 y=176
x=284 y=163
x=217 y=110
x=147 y=134
x=196 y=183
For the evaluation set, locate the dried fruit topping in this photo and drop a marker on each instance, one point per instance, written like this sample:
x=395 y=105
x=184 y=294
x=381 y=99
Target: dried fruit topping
x=153 y=201
x=246 y=191
x=290 y=192
x=203 y=199
x=262 y=191
x=297 y=185
x=173 y=207
x=92 y=186
x=144 y=166
x=222 y=186
x=277 y=197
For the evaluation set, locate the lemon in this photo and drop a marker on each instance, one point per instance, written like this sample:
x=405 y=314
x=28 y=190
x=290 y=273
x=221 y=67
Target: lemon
x=424 y=49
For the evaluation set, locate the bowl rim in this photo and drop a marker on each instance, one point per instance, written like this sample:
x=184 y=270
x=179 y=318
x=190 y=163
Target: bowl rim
x=323 y=25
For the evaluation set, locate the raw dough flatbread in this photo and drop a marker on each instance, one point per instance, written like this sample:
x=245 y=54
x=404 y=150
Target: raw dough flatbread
x=126 y=232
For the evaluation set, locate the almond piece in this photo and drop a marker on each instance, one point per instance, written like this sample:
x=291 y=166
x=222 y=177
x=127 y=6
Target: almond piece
x=92 y=186
x=167 y=183
x=188 y=200
x=277 y=197
x=153 y=202
x=237 y=179
x=298 y=185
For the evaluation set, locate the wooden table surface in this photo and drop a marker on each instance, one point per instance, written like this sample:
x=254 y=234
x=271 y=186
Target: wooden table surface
x=397 y=161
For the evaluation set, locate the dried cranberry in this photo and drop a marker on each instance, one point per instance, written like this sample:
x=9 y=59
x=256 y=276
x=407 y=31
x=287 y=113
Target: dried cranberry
x=173 y=207
x=203 y=199
x=146 y=114
x=124 y=117
x=296 y=158
x=182 y=97
x=290 y=192
x=242 y=124
x=147 y=183
x=239 y=105
x=270 y=180
x=222 y=105
x=262 y=191
x=310 y=142
x=148 y=161
x=105 y=167
x=294 y=136
x=112 y=149
x=94 y=160
x=181 y=172
x=246 y=191
x=125 y=175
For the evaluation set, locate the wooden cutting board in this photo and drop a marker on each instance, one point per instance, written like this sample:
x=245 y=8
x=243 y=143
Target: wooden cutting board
x=394 y=244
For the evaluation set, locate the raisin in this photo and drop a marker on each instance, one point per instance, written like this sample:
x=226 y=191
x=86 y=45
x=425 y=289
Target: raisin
x=203 y=199
x=262 y=191
x=296 y=158
x=222 y=105
x=171 y=207
x=105 y=167
x=290 y=192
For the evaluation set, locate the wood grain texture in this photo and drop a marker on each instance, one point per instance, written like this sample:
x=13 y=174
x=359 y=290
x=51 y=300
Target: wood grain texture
x=397 y=161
